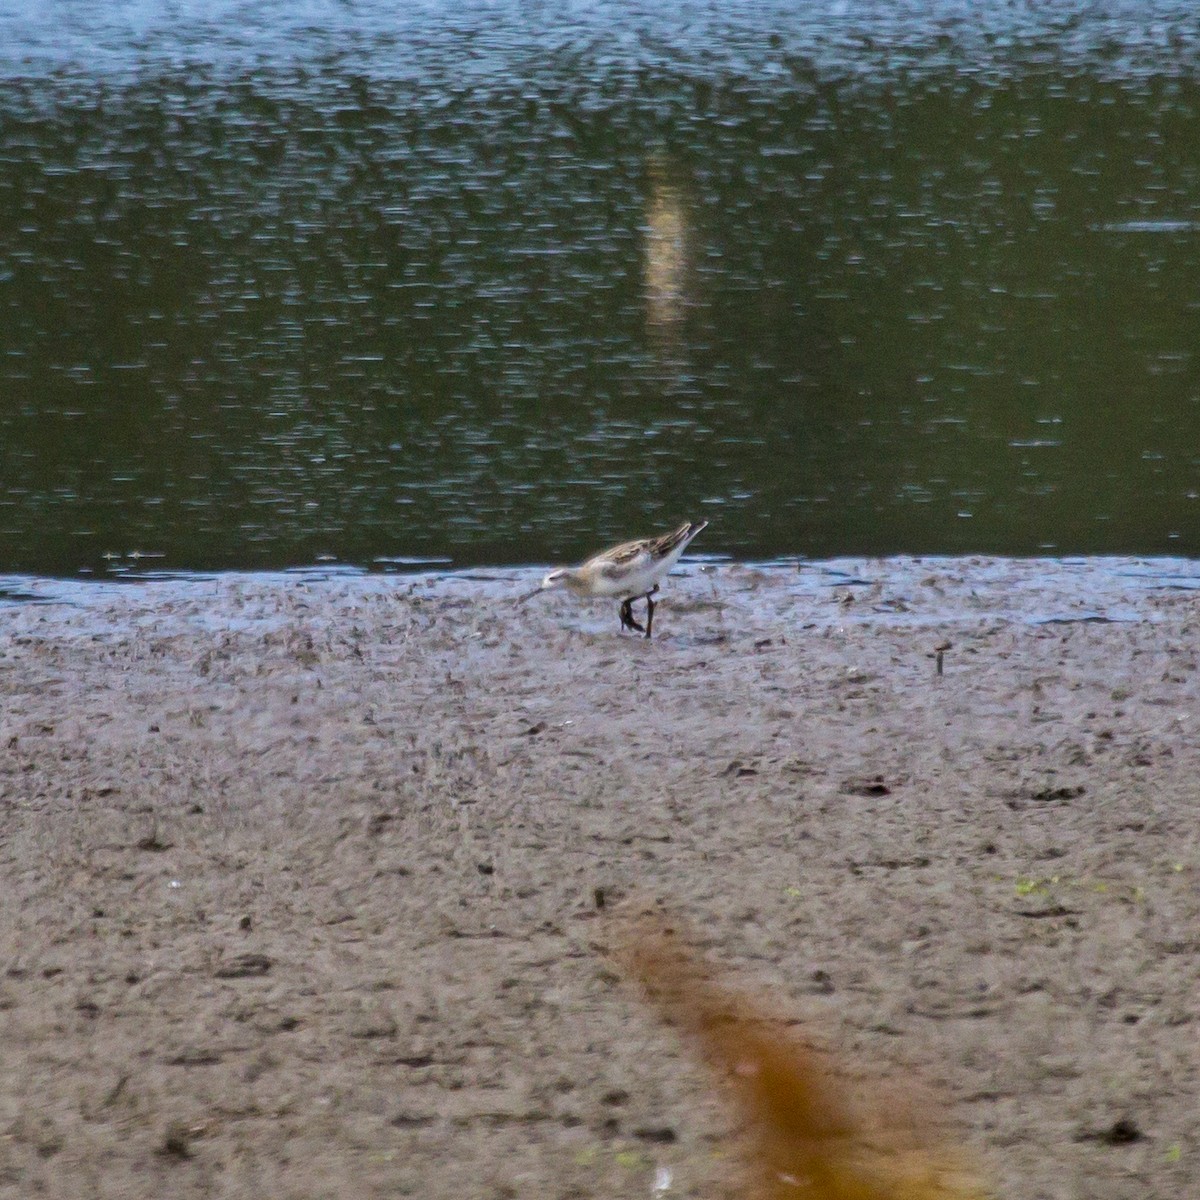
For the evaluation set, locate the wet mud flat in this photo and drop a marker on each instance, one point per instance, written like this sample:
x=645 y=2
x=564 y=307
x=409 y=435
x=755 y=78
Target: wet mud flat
x=303 y=874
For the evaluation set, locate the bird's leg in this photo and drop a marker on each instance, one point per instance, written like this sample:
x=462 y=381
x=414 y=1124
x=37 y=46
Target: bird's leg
x=649 y=597
x=627 y=621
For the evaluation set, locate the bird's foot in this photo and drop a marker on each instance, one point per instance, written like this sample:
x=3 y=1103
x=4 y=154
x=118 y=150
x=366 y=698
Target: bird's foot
x=627 y=621
x=627 y=618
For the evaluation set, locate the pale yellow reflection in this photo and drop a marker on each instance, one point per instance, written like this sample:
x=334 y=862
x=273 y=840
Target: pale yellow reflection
x=668 y=259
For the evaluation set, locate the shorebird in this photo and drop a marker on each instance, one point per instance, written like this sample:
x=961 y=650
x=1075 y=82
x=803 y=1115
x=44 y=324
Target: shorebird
x=631 y=571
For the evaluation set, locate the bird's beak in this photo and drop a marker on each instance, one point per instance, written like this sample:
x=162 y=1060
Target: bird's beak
x=528 y=596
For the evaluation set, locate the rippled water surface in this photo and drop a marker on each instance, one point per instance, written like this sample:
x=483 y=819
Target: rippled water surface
x=494 y=283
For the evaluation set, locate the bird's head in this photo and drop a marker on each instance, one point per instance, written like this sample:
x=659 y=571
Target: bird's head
x=557 y=578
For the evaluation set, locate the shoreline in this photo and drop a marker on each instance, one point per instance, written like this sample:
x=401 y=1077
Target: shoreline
x=1070 y=581
x=301 y=872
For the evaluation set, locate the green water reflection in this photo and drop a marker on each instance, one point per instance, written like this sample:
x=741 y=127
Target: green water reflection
x=253 y=320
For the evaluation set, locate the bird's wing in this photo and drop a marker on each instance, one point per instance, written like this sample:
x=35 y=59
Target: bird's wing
x=641 y=551
x=629 y=553
x=620 y=560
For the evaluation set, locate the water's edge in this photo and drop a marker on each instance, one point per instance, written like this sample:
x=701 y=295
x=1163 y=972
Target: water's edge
x=892 y=591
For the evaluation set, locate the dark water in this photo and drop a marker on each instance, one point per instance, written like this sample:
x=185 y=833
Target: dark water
x=497 y=283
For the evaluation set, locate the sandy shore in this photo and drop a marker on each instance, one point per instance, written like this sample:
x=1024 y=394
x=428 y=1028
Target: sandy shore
x=300 y=872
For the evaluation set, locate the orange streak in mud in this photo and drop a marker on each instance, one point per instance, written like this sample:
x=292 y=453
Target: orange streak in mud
x=805 y=1143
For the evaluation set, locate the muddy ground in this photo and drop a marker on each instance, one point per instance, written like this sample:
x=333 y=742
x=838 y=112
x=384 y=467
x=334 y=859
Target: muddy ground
x=300 y=873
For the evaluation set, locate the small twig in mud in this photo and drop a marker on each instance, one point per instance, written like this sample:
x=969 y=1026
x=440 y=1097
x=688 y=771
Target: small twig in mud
x=939 y=653
x=115 y=1091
